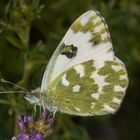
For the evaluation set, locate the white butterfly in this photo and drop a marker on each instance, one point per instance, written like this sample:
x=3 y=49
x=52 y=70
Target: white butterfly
x=83 y=76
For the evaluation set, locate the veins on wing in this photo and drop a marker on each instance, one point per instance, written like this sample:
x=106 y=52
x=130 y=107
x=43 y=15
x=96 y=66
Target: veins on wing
x=69 y=50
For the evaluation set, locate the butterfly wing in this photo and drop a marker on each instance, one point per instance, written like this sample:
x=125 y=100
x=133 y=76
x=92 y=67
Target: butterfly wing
x=93 y=91
x=83 y=76
x=87 y=39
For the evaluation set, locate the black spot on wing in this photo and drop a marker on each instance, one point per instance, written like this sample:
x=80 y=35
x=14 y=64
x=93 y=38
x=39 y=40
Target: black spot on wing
x=69 y=50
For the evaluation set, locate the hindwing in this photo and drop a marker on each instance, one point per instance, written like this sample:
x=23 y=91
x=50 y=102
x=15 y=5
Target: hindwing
x=86 y=90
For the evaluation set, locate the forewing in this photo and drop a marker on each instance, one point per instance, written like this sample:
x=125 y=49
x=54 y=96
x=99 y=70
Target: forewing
x=87 y=39
x=85 y=89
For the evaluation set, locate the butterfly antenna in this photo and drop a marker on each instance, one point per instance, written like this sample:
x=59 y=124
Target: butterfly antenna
x=1 y=92
x=5 y=81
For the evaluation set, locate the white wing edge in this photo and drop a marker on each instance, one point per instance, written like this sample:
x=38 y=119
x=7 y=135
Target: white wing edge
x=48 y=69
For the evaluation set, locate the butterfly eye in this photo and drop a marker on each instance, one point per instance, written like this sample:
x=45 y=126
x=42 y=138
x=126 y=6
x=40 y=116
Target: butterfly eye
x=69 y=50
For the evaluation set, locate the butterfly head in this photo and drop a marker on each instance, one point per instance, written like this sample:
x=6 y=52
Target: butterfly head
x=34 y=97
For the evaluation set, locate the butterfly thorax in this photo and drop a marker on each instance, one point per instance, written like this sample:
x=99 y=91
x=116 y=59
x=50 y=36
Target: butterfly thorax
x=34 y=97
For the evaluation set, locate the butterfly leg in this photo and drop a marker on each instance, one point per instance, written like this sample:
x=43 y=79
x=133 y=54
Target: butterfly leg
x=43 y=105
x=34 y=111
x=54 y=111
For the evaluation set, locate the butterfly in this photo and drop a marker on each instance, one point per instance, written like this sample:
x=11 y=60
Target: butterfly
x=83 y=76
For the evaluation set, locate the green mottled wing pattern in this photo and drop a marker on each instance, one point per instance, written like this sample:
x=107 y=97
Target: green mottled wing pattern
x=95 y=24
x=90 y=92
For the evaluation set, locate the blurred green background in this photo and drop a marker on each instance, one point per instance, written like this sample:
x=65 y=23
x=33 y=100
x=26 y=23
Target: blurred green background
x=29 y=33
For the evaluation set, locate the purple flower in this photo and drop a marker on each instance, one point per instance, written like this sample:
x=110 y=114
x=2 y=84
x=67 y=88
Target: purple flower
x=38 y=137
x=23 y=137
x=50 y=121
x=31 y=129
x=43 y=115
